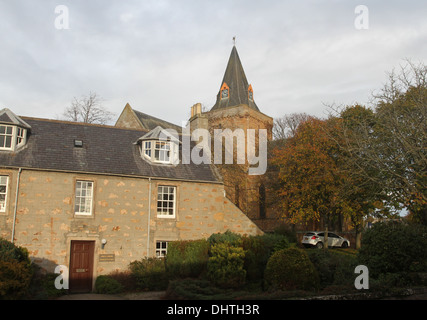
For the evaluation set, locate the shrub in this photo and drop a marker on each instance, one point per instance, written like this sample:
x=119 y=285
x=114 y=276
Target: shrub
x=105 y=284
x=291 y=269
x=258 y=250
x=16 y=271
x=227 y=236
x=187 y=258
x=43 y=286
x=149 y=274
x=8 y=252
x=333 y=267
x=225 y=266
x=15 y=279
x=394 y=248
x=125 y=278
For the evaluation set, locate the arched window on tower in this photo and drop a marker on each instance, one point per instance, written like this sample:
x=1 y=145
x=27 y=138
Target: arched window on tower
x=236 y=195
x=262 y=206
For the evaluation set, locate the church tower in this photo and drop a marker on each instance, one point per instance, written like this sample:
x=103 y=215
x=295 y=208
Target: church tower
x=235 y=108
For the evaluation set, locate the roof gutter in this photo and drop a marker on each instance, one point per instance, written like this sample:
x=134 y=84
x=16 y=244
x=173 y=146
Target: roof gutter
x=16 y=205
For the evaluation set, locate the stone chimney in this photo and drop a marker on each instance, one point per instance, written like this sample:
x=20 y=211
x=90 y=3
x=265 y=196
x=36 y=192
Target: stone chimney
x=198 y=118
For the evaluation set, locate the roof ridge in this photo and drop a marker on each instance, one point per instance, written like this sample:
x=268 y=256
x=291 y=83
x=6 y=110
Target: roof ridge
x=82 y=123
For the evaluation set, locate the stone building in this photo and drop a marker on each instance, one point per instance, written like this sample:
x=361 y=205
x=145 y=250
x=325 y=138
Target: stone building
x=94 y=197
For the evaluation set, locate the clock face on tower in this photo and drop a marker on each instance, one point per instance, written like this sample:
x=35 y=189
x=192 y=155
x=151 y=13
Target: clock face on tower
x=224 y=93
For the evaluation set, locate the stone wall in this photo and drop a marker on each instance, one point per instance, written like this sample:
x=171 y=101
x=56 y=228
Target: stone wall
x=46 y=223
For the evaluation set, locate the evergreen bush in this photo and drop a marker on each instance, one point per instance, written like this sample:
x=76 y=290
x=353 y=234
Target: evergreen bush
x=394 y=248
x=291 y=269
x=225 y=265
x=105 y=284
x=227 y=236
x=16 y=271
x=258 y=250
x=149 y=274
x=187 y=258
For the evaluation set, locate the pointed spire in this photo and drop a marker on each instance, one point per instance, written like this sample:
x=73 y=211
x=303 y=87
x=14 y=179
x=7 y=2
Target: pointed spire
x=234 y=88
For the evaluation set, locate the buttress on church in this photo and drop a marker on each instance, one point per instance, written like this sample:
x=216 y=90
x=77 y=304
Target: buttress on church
x=95 y=197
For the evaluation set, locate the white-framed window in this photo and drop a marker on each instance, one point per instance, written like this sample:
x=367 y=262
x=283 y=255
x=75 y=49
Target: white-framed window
x=84 y=198
x=6 y=135
x=165 y=152
x=147 y=148
x=166 y=201
x=11 y=137
x=20 y=136
x=161 y=249
x=3 y=192
x=162 y=151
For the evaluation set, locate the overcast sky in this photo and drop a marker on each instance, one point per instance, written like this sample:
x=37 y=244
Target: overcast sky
x=164 y=56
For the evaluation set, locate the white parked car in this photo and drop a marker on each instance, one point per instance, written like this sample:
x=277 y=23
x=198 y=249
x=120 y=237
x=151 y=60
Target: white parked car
x=316 y=239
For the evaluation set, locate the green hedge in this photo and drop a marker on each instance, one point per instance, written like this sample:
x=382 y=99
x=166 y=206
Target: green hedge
x=187 y=258
x=149 y=274
x=394 y=248
x=258 y=250
x=105 y=284
x=227 y=236
x=333 y=267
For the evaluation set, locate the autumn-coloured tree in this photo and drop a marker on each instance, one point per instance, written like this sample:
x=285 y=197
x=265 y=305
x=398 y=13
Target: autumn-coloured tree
x=309 y=179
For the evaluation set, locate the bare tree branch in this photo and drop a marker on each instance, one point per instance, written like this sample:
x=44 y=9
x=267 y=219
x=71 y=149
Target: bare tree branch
x=88 y=109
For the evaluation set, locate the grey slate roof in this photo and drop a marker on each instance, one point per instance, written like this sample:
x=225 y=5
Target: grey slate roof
x=150 y=122
x=235 y=78
x=106 y=150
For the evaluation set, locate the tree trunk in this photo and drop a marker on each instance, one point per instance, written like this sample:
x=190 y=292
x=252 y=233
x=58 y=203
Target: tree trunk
x=325 y=245
x=358 y=237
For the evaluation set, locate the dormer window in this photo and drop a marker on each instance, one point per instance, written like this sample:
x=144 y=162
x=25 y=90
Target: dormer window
x=13 y=131
x=6 y=135
x=11 y=137
x=158 y=151
x=160 y=146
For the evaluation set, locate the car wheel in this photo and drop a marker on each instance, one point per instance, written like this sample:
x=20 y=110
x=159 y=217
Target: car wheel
x=344 y=245
x=319 y=245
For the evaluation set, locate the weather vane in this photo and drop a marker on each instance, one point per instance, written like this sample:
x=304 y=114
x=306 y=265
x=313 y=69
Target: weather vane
x=234 y=40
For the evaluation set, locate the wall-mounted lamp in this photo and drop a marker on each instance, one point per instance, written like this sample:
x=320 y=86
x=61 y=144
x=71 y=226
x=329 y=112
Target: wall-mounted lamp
x=103 y=242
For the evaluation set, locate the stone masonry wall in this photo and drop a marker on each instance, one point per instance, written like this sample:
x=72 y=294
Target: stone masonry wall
x=46 y=223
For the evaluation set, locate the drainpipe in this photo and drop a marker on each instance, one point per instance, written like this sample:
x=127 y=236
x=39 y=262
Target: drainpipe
x=149 y=217
x=16 y=204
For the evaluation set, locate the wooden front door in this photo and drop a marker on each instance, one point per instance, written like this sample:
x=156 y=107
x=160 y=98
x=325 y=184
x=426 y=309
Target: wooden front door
x=81 y=266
